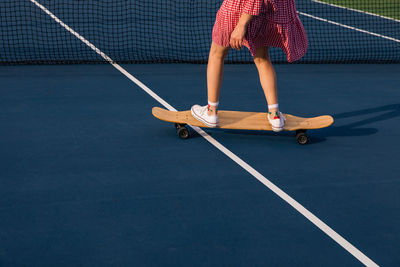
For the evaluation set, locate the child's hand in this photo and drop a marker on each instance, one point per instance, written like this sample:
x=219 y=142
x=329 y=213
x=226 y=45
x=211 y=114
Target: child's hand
x=237 y=35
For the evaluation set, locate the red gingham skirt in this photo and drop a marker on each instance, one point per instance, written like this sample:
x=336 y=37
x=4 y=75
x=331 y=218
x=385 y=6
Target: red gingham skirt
x=278 y=26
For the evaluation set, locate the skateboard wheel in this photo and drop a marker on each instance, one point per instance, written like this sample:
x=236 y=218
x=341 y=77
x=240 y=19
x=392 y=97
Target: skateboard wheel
x=301 y=137
x=183 y=132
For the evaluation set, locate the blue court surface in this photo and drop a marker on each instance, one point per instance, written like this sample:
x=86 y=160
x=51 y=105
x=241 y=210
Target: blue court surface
x=90 y=178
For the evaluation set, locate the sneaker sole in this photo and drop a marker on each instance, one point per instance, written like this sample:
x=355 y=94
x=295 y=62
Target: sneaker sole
x=203 y=121
x=277 y=129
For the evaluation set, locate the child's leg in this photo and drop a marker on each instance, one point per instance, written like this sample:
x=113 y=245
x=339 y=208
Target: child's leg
x=268 y=82
x=215 y=69
x=267 y=77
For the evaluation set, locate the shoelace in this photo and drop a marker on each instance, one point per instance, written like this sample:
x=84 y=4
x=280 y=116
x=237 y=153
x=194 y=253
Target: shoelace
x=203 y=110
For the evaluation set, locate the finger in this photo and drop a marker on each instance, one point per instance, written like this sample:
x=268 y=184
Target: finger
x=233 y=44
x=238 y=45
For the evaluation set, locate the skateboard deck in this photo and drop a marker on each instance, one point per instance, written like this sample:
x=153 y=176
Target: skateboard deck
x=241 y=120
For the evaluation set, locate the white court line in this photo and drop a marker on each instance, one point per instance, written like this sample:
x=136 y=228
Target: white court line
x=349 y=27
x=296 y=205
x=356 y=10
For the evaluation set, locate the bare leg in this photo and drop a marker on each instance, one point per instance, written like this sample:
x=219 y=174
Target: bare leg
x=267 y=76
x=215 y=70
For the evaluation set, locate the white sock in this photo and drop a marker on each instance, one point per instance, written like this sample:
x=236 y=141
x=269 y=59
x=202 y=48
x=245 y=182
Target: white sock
x=214 y=104
x=273 y=106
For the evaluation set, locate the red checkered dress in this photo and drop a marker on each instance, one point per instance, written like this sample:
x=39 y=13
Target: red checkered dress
x=275 y=23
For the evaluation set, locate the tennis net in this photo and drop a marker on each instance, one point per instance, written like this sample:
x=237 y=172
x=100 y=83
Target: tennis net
x=179 y=31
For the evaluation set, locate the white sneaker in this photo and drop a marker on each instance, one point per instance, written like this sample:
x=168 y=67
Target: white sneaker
x=200 y=114
x=277 y=122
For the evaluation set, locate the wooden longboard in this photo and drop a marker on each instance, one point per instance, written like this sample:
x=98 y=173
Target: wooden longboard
x=244 y=120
